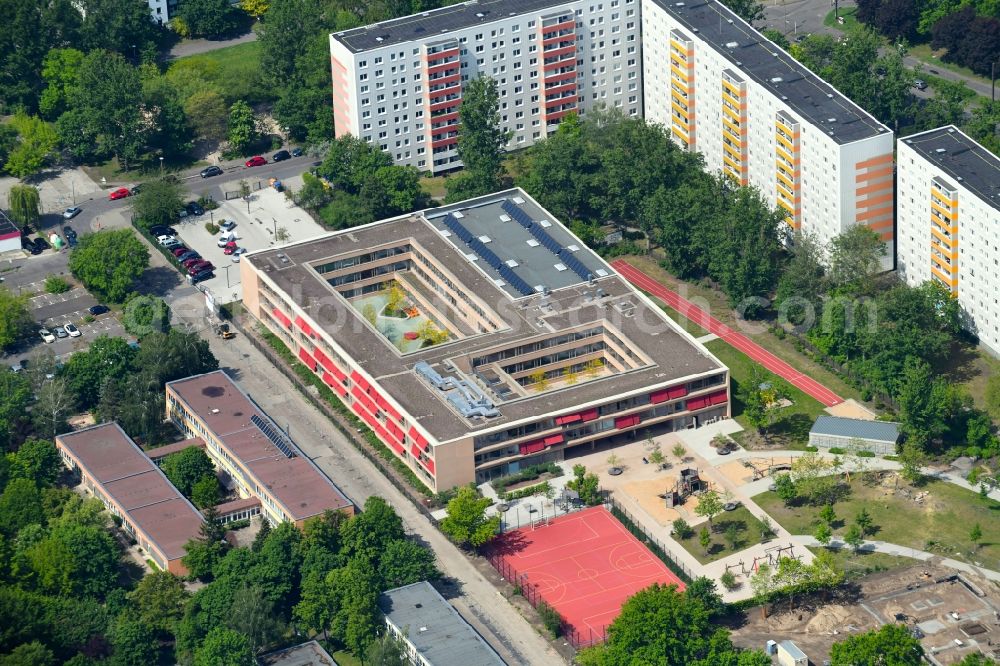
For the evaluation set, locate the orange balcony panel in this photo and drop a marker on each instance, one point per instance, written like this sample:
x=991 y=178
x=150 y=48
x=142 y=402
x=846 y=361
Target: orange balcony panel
x=447 y=141
x=679 y=73
x=566 y=87
x=784 y=142
x=786 y=180
x=443 y=67
x=953 y=228
x=944 y=240
x=950 y=214
x=437 y=106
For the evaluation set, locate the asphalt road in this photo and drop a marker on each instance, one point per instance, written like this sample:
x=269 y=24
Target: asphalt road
x=95 y=207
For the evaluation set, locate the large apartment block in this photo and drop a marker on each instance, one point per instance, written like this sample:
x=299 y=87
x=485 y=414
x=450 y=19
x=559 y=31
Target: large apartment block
x=398 y=84
x=948 y=194
x=482 y=337
x=761 y=118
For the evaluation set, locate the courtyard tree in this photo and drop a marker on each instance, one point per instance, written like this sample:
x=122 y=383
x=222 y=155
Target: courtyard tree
x=106 y=102
x=679 y=451
x=186 y=468
x=15 y=317
x=828 y=515
x=242 y=127
x=224 y=647
x=109 y=262
x=586 y=485
x=656 y=457
x=814 y=479
x=35 y=147
x=158 y=202
x=785 y=488
x=710 y=505
x=855 y=258
x=823 y=534
x=864 y=522
x=704 y=538
x=762 y=396
x=854 y=538
x=890 y=644
x=466 y=523
x=24 y=205
x=482 y=141
x=976 y=535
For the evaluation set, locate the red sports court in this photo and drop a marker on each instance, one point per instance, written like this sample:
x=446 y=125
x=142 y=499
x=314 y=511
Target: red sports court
x=584 y=564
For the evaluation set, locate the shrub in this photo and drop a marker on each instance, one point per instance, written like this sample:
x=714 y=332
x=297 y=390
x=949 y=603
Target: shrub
x=837 y=451
x=811 y=449
x=728 y=580
x=550 y=618
x=865 y=453
x=527 y=474
x=538 y=489
x=682 y=530
x=211 y=228
x=56 y=285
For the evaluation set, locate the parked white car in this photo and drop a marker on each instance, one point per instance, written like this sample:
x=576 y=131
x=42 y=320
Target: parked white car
x=47 y=335
x=163 y=240
x=73 y=331
x=225 y=238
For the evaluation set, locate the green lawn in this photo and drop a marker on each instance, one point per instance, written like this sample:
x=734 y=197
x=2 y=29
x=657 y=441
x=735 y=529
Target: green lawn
x=940 y=523
x=932 y=59
x=794 y=422
x=346 y=659
x=862 y=564
x=434 y=186
x=847 y=13
x=748 y=528
x=233 y=71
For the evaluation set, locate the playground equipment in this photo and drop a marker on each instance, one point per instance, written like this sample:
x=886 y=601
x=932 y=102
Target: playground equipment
x=688 y=483
x=761 y=470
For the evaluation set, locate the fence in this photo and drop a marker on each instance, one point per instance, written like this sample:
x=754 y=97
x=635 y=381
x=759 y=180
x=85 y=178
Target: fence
x=526 y=512
x=530 y=591
x=659 y=548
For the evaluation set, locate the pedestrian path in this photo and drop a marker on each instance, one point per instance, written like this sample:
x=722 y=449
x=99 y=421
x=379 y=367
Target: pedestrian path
x=901 y=551
x=739 y=341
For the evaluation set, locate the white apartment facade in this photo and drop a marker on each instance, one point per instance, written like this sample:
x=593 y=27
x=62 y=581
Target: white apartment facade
x=398 y=84
x=948 y=212
x=763 y=119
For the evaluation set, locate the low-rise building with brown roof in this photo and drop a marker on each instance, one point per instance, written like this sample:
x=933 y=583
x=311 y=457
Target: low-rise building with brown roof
x=259 y=457
x=132 y=487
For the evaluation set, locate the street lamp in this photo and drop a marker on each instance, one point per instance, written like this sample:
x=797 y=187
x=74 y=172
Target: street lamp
x=161 y=165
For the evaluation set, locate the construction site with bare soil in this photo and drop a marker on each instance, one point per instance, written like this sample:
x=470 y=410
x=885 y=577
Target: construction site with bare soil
x=952 y=614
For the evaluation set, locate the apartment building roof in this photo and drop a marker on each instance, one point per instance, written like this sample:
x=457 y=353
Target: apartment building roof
x=233 y=418
x=963 y=159
x=437 y=23
x=440 y=635
x=7 y=226
x=757 y=57
x=309 y=653
x=136 y=484
x=668 y=353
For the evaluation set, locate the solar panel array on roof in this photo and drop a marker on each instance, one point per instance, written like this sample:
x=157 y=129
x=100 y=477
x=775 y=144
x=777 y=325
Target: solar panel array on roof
x=487 y=255
x=277 y=438
x=543 y=237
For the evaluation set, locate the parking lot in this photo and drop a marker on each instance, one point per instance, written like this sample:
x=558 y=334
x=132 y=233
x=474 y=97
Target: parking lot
x=270 y=212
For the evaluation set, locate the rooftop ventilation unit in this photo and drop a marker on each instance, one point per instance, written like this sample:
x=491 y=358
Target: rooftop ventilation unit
x=732 y=45
x=830 y=95
x=940 y=150
x=831 y=120
x=776 y=79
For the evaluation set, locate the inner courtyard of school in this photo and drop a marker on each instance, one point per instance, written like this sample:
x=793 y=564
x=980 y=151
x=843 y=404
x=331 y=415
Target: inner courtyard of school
x=482 y=337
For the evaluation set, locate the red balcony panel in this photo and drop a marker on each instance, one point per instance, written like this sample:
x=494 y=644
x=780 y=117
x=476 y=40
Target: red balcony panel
x=623 y=422
x=282 y=317
x=568 y=418
x=444 y=67
x=429 y=464
x=307 y=359
x=559 y=64
x=434 y=96
x=303 y=326
x=718 y=398
x=675 y=392
x=697 y=403
x=532 y=447
x=414 y=451
x=559 y=52
x=589 y=415
x=556 y=39
x=396 y=446
x=558 y=27
x=569 y=86
x=656 y=397
x=556 y=115
x=441 y=132
x=396 y=431
x=445 y=117
x=562 y=76
x=442 y=143
x=440 y=55
x=552 y=440
x=447 y=104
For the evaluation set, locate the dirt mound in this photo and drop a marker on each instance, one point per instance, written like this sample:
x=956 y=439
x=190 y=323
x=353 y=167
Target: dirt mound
x=828 y=618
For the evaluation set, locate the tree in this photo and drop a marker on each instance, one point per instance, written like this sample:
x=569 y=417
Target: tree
x=242 y=127
x=864 y=522
x=186 y=468
x=854 y=538
x=133 y=642
x=168 y=131
x=175 y=354
x=36 y=460
x=109 y=262
x=855 y=258
x=728 y=580
x=681 y=529
x=777 y=37
x=823 y=533
x=709 y=505
x=37 y=141
x=828 y=515
x=127 y=28
x=814 y=479
x=144 y=314
x=59 y=69
x=733 y=536
x=24 y=205
x=224 y=647
x=481 y=141
x=29 y=654
x=803 y=280
x=912 y=460
x=466 y=522
x=209 y=18
x=159 y=598
x=750 y=11
x=20 y=505
x=704 y=538
x=54 y=402
x=15 y=317
x=206 y=111
x=388 y=650
x=679 y=451
x=8 y=141
x=205 y=492
x=587 y=486
x=404 y=562
x=762 y=396
x=158 y=202
x=657 y=458
x=975 y=535
x=255 y=8
x=890 y=644
x=108 y=99
x=785 y=488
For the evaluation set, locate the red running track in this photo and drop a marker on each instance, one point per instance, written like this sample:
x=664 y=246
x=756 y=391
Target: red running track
x=739 y=341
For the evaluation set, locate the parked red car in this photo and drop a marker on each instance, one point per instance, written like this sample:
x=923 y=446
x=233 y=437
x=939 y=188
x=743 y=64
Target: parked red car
x=120 y=193
x=256 y=160
x=230 y=247
x=190 y=262
x=200 y=266
x=178 y=251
